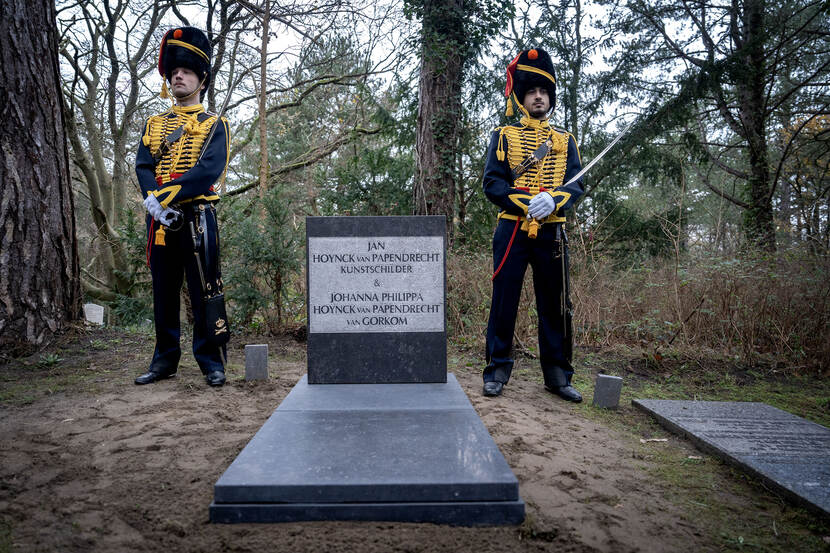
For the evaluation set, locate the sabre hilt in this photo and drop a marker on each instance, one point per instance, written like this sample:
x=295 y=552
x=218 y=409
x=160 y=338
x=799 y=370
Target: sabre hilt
x=178 y=220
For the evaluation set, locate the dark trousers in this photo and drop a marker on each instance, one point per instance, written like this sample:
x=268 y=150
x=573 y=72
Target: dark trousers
x=169 y=264
x=543 y=255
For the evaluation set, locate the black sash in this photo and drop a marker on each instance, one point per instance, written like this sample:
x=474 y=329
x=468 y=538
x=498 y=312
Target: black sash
x=533 y=159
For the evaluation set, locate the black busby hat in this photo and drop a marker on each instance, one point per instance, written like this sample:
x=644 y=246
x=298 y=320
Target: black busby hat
x=529 y=69
x=184 y=47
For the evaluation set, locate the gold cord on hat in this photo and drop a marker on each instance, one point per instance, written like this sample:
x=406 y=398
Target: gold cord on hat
x=531 y=69
x=190 y=47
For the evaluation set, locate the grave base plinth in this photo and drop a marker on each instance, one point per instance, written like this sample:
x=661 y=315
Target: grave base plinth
x=375 y=452
x=474 y=513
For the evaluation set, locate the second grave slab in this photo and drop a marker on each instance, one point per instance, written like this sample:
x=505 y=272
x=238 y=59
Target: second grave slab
x=789 y=453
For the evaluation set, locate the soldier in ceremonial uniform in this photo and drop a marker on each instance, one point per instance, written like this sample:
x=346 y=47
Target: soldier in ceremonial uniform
x=527 y=168
x=177 y=168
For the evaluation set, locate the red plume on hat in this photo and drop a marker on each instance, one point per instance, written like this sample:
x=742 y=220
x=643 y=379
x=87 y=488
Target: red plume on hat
x=511 y=70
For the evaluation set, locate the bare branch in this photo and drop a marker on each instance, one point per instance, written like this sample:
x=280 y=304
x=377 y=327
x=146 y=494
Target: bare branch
x=309 y=157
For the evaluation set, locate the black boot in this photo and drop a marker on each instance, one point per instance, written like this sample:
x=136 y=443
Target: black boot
x=567 y=393
x=493 y=388
x=558 y=382
x=215 y=378
x=155 y=374
x=161 y=367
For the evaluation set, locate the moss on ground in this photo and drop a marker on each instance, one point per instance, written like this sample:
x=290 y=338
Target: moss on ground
x=734 y=507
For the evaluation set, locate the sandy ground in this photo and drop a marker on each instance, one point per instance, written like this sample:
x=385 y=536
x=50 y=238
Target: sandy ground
x=110 y=466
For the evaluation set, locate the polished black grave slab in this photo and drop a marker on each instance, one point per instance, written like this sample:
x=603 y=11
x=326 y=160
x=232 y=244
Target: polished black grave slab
x=789 y=453
x=392 y=452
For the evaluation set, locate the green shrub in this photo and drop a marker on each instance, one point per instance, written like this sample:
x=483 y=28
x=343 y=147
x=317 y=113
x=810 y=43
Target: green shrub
x=742 y=308
x=263 y=247
x=136 y=304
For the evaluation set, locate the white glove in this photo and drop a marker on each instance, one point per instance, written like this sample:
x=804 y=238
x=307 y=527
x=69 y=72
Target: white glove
x=167 y=217
x=153 y=206
x=541 y=205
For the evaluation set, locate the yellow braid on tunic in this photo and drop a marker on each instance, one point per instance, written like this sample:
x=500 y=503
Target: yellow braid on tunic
x=549 y=173
x=185 y=152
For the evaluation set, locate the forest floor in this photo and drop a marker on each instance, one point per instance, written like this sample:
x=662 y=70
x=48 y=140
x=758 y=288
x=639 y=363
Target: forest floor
x=91 y=462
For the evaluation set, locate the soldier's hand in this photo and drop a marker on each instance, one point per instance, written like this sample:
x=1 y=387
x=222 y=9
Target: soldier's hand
x=541 y=205
x=153 y=206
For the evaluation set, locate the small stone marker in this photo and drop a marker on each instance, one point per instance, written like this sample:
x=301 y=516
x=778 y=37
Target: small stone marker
x=256 y=362
x=607 y=391
x=789 y=453
x=94 y=313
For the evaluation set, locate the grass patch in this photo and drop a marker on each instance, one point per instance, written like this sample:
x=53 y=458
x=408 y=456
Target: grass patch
x=17 y=389
x=739 y=511
x=709 y=379
x=734 y=508
x=5 y=536
x=75 y=362
x=82 y=361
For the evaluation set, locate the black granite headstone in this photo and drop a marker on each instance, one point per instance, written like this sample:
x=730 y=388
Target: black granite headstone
x=376 y=300
x=377 y=430
x=789 y=453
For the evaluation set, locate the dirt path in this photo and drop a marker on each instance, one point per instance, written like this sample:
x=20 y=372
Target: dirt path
x=110 y=466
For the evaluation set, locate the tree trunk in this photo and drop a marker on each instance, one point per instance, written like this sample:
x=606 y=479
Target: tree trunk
x=263 y=113
x=439 y=109
x=101 y=140
x=39 y=271
x=758 y=224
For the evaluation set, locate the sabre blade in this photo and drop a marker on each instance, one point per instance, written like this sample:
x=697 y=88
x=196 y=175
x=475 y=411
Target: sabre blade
x=219 y=116
x=602 y=153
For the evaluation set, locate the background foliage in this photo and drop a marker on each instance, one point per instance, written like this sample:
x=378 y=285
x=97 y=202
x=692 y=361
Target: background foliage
x=706 y=229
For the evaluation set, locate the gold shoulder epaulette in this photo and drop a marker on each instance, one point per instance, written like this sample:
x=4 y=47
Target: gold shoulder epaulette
x=152 y=129
x=500 y=144
x=158 y=116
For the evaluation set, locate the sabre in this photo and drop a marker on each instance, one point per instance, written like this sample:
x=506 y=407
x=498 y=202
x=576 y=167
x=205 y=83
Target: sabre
x=602 y=153
x=219 y=116
x=533 y=228
x=564 y=299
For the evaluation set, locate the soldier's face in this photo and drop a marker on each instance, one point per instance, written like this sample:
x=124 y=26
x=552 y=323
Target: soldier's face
x=183 y=82
x=537 y=102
